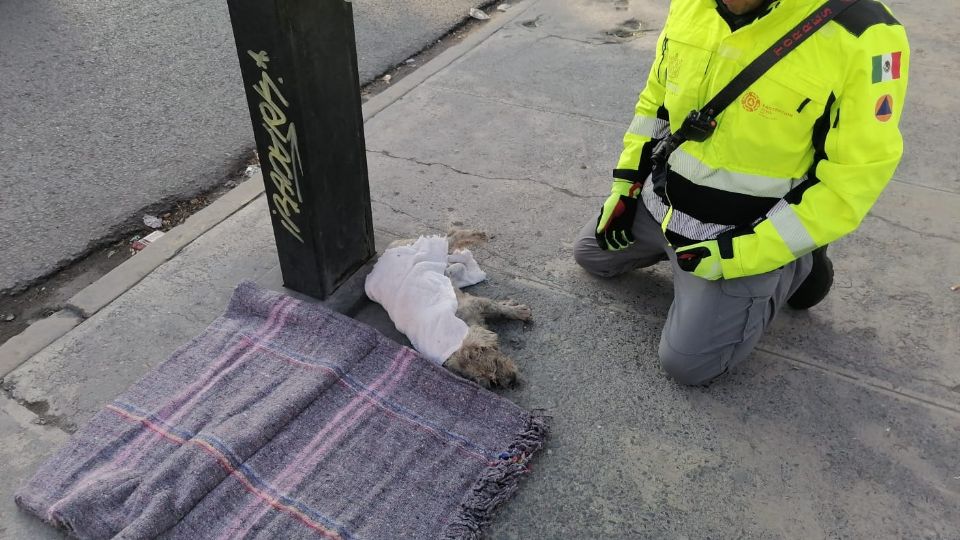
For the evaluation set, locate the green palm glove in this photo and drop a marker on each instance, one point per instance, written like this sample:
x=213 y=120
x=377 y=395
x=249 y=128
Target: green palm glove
x=615 y=224
x=702 y=260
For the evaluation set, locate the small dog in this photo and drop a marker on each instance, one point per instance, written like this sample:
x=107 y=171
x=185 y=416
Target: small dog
x=479 y=357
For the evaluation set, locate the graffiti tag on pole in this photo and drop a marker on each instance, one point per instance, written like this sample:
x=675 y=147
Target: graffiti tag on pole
x=283 y=160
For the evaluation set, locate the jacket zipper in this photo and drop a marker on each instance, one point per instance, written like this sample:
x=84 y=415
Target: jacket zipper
x=663 y=56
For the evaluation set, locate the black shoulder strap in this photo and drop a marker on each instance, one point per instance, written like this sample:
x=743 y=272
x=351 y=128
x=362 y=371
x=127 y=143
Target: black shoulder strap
x=700 y=124
x=784 y=46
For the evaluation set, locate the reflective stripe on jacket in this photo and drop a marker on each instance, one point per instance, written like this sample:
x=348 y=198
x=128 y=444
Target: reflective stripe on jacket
x=800 y=158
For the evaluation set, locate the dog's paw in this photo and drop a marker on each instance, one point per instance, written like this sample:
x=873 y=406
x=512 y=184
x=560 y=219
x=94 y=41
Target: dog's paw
x=464 y=238
x=511 y=309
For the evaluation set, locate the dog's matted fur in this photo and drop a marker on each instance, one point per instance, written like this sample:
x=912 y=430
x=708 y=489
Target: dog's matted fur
x=479 y=357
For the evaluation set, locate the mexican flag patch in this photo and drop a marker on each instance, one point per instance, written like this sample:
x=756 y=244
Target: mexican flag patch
x=886 y=67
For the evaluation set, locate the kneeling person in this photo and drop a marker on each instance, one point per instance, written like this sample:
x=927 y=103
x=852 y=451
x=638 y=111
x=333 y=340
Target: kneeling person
x=794 y=164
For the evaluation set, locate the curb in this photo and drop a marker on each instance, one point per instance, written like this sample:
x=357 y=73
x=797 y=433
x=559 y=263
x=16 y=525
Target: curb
x=85 y=304
x=34 y=339
x=108 y=288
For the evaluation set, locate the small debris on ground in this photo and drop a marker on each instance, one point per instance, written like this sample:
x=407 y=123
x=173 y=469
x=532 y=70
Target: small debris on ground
x=9 y=317
x=410 y=61
x=503 y=7
x=387 y=78
x=141 y=243
x=111 y=253
x=479 y=14
x=532 y=23
x=251 y=170
x=230 y=184
x=179 y=214
x=955 y=288
x=152 y=221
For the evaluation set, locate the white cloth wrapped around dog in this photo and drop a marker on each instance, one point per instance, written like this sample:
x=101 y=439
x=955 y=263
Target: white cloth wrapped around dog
x=413 y=284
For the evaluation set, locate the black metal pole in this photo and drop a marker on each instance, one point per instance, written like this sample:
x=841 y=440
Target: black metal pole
x=299 y=64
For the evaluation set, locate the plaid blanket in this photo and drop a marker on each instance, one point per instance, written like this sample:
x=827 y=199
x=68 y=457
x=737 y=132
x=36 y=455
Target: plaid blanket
x=286 y=420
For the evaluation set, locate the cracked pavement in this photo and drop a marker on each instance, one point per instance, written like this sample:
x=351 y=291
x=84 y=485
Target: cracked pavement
x=466 y=173
x=844 y=422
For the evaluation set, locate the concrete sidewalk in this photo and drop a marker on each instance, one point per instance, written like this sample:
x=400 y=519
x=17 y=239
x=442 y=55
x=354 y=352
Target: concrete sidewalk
x=844 y=424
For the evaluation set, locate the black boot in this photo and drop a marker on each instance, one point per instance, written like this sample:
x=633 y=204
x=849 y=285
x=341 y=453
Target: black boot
x=817 y=285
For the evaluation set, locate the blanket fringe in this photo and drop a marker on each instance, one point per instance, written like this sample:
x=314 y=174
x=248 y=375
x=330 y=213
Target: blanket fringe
x=499 y=481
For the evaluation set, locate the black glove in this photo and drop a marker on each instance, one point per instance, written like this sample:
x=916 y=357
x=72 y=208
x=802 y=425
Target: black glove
x=615 y=224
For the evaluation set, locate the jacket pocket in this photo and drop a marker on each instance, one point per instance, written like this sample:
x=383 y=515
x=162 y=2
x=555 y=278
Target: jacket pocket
x=685 y=68
x=770 y=129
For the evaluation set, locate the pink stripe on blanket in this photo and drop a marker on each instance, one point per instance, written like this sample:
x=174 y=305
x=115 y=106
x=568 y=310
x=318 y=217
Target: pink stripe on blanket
x=137 y=447
x=308 y=457
x=224 y=462
x=374 y=400
x=226 y=364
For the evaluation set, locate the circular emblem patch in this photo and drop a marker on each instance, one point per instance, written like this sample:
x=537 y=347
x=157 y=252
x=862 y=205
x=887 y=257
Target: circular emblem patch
x=884 y=108
x=750 y=102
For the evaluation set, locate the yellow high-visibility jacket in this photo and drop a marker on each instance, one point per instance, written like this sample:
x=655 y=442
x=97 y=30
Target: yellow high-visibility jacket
x=800 y=158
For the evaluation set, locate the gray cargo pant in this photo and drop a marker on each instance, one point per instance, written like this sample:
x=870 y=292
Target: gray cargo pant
x=711 y=325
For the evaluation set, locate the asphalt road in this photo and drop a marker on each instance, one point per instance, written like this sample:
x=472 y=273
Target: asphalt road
x=110 y=106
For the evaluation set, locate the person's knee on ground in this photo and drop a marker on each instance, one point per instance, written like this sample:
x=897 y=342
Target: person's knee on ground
x=646 y=251
x=585 y=252
x=691 y=369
